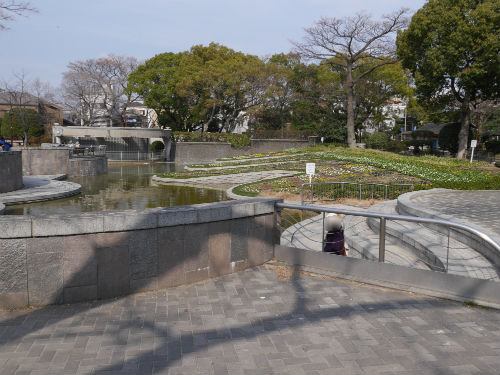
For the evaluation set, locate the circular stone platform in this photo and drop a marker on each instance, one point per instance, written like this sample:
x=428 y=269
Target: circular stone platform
x=476 y=208
x=40 y=188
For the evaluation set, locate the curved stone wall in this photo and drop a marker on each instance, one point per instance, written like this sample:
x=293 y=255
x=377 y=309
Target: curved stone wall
x=51 y=161
x=72 y=258
x=11 y=168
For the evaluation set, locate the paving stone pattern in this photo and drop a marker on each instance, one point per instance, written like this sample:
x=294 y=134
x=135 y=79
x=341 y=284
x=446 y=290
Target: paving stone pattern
x=40 y=188
x=480 y=208
x=253 y=322
x=234 y=179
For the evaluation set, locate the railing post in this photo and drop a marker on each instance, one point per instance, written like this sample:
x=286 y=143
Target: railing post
x=448 y=250
x=359 y=191
x=385 y=192
x=323 y=234
x=381 y=241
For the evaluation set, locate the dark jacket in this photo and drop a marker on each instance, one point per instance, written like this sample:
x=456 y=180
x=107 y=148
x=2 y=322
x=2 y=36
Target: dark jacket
x=334 y=243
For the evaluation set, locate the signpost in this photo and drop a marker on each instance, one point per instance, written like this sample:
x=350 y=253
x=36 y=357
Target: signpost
x=310 y=170
x=473 y=145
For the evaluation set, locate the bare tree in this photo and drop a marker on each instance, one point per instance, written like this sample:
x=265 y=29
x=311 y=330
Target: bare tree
x=354 y=46
x=80 y=95
x=9 y=10
x=98 y=86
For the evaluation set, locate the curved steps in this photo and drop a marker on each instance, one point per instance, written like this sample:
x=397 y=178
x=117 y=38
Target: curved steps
x=426 y=247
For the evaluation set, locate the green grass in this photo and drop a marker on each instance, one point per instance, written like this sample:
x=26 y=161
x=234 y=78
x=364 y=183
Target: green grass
x=247 y=190
x=475 y=305
x=432 y=171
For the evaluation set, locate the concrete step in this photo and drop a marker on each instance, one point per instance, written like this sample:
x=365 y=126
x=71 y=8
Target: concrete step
x=430 y=247
x=419 y=203
x=362 y=242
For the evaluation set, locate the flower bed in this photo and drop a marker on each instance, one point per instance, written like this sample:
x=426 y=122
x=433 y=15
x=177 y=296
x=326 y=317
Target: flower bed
x=236 y=140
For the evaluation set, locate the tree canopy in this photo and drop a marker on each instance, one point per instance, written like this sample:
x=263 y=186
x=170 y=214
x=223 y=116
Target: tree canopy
x=25 y=122
x=354 y=47
x=207 y=87
x=452 y=47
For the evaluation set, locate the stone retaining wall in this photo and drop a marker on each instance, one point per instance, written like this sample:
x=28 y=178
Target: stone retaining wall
x=88 y=166
x=72 y=258
x=11 y=170
x=205 y=152
x=437 y=284
x=51 y=161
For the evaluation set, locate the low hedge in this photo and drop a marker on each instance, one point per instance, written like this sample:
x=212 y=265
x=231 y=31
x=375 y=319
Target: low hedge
x=236 y=140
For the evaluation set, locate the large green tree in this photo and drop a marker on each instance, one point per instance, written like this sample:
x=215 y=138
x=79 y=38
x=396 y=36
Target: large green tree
x=208 y=87
x=156 y=82
x=452 y=47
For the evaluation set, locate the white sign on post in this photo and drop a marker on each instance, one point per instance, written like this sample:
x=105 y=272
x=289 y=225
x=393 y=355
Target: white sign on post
x=310 y=170
x=473 y=145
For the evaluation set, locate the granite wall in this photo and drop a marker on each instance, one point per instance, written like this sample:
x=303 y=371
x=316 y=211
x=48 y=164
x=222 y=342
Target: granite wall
x=52 y=161
x=88 y=166
x=11 y=170
x=63 y=259
x=204 y=152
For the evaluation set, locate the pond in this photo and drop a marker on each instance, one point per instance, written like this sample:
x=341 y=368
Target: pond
x=126 y=186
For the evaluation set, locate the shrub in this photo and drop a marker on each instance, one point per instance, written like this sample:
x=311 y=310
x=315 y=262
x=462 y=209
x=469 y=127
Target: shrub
x=378 y=140
x=397 y=146
x=236 y=140
x=421 y=138
x=157 y=146
x=493 y=146
x=448 y=137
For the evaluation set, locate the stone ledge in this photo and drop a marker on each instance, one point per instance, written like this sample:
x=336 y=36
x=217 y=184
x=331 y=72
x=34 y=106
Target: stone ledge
x=12 y=226
x=438 y=284
x=408 y=207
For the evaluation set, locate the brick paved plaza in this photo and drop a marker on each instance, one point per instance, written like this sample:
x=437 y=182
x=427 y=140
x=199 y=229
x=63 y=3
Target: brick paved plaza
x=260 y=321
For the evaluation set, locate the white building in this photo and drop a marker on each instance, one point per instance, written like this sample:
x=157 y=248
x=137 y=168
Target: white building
x=139 y=115
x=392 y=110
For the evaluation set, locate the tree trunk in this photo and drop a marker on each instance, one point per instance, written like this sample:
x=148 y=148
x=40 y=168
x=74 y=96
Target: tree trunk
x=25 y=141
x=351 y=139
x=463 y=135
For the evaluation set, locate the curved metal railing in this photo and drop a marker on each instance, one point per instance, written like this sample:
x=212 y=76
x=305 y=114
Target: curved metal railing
x=382 y=226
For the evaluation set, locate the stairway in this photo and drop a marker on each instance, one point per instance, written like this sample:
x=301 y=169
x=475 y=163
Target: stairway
x=415 y=245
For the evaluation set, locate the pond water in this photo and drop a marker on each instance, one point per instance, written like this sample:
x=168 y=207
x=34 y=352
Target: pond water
x=126 y=186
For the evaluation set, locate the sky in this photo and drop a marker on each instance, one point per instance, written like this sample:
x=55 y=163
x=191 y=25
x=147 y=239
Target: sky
x=42 y=44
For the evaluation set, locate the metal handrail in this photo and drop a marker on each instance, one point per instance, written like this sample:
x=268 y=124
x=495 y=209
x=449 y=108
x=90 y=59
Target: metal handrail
x=343 y=183
x=383 y=217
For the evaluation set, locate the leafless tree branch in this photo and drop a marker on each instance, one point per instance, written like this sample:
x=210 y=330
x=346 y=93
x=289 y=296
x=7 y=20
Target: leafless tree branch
x=11 y=9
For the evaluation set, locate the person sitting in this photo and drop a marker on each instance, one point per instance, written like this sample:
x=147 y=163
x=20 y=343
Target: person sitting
x=4 y=144
x=334 y=240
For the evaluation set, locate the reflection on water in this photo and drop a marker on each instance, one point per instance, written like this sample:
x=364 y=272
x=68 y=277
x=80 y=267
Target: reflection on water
x=126 y=186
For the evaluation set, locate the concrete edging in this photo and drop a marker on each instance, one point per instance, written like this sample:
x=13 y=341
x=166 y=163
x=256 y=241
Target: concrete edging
x=41 y=189
x=406 y=206
x=12 y=226
x=436 y=284
x=75 y=258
